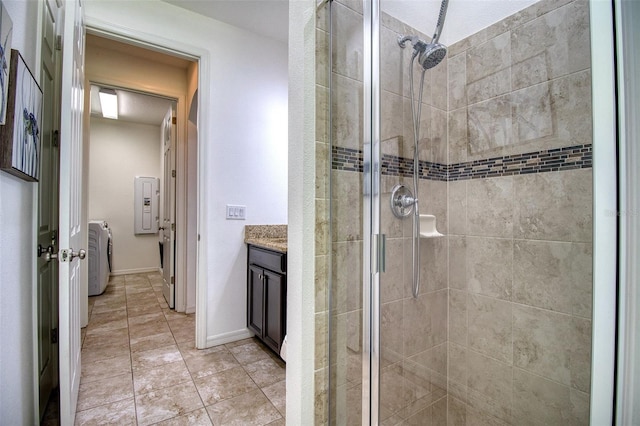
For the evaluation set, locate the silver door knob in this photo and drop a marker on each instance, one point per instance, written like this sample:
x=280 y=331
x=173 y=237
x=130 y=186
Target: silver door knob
x=69 y=255
x=82 y=253
x=48 y=253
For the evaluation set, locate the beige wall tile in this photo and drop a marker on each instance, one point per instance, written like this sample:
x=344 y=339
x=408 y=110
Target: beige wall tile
x=533 y=117
x=348 y=42
x=391 y=337
x=322 y=115
x=458 y=136
x=438 y=141
x=433 y=263
x=322 y=283
x=552 y=45
x=537 y=401
x=391 y=122
x=322 y=236
x=554 y=206
x=489 y=266
x=489 y=126
x=391 y=62
x=553 y=275
x=457 y=69
x=439 y=91
x=323 y=170
x=458 y=370
x=488 y=87
x=391 y=280
x=490 y=331
x=571 y=104
x=456 y=412
x=490 y=207
x=490 y=386
x=347 y=276
x=346 y=104
x=346 y=214
x=322 y=58
x=488 y=58
x=457 y=207
x=321 y=348
x=424 y=147
x=458 y=328
x=552 y=345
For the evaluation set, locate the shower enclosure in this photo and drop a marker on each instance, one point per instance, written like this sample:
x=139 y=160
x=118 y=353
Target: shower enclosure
x=499 y=331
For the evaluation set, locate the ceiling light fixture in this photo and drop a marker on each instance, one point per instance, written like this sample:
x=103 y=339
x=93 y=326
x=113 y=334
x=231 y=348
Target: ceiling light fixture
x=109 y=103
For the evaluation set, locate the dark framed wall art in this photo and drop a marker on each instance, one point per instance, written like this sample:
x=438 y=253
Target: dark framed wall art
x=20 y=136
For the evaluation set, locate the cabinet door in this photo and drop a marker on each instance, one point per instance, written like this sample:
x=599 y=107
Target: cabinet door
x=255 y=300
x=274 y=313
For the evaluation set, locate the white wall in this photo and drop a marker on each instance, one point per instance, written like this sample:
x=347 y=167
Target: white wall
x=242 y=138
x=17 y=256
x=120 y=151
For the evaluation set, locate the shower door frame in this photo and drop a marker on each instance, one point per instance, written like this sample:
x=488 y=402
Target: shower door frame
x=373 y=261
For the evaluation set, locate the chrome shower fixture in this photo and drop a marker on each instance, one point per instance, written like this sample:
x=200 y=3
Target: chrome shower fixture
x=432 y=53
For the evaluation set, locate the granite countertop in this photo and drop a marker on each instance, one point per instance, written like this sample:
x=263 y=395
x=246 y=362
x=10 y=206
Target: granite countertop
x=272 y=237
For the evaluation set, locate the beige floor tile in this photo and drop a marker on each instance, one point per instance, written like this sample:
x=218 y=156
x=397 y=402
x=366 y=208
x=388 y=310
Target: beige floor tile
x=251 y=408
x=146 y=343
x=205 y=362
x=277 y=394
x=116 y=413
x=167 y=403
x=150 y=318
x=250 y=352
x=140 y=366
x=104 y=391
x=101 y=352
x=163 y=376
x=105 y=368
x=155 y=357
x=107 y=327
x=279 y=422
x=265 y=372
x=148 y=329
x=224 y=385
x=195 y=418
x=135 y=310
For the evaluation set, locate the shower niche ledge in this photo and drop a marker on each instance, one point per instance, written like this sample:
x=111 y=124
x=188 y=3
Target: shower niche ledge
x=428 y=227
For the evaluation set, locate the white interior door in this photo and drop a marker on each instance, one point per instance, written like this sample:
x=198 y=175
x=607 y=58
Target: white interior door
x=169 y=208
x=71 y=229
x=47 y=230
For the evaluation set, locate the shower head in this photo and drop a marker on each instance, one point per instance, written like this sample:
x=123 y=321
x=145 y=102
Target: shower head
x=429 y=54
x=432 y=55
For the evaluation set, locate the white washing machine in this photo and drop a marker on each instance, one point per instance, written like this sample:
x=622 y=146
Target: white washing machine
x=98 y=256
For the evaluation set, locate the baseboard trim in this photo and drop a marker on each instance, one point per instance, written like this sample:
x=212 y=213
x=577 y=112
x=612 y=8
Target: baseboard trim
x=229 y=337
x=134 y=271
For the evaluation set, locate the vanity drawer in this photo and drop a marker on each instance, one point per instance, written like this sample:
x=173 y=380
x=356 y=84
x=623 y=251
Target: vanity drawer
x=268 y=259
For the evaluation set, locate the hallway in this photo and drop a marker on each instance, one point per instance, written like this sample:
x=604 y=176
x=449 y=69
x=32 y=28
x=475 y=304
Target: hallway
x=140 y=367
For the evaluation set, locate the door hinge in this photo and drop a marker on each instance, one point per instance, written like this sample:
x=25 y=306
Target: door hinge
x=173 y=280
x=173 y=173
x=56 y=138
x=174 y=120
x=58 y=44
x=54 y=336
x=173 y=227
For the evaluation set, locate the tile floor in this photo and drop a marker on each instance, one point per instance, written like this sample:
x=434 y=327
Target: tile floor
x=140 y=367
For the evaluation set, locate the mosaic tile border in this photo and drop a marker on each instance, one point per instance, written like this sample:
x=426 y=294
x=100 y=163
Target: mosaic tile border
x=550 y=160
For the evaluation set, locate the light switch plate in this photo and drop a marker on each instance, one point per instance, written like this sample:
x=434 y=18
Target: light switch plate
x=235 y=212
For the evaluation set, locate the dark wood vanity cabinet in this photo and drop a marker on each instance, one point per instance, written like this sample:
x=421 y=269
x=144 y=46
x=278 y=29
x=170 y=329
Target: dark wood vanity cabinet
x=267 y=295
